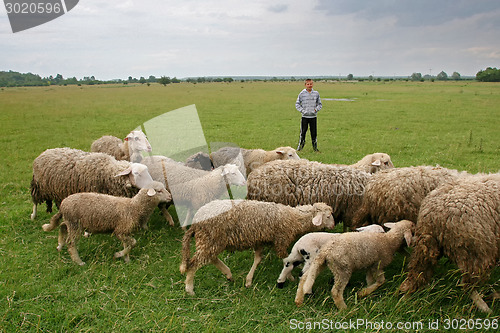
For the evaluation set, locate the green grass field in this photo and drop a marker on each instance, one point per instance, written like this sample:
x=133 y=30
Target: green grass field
x=453 y=124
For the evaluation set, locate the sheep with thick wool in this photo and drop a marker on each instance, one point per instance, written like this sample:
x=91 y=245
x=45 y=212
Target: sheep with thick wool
x=307 y=248
x=249 y=225
x=252 y=158
x=396 y=194
x=129 y=149
x=192 y=187
x=304 y=182
x=102 y=213
x=459 y=220
x=60 y=172
x=353 y=251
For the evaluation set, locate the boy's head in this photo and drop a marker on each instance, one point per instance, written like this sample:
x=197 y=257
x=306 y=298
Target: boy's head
x=309 y=84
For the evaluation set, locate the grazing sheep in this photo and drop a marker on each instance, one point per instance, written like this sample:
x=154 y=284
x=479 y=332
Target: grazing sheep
x=200 y=160
x=60 y=172
x=102 y=213
x=129 y=149
x=354 y=251
x=304 y=182
x=191 y=187
x=460 y=220
x=373 y=162
x=249 y=225
x=308 y=247
x=253 y=158
x=396 y=194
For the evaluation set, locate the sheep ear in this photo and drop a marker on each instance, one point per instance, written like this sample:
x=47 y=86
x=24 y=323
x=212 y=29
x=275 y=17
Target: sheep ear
x=151 y=192
x=280 y=152
x=376 y=163
x=389 y=225
x=408 y=237
x=318 y=219
x=124 y=172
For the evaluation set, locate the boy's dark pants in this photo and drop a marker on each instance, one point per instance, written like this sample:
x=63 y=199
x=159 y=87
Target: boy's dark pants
x=304 y=124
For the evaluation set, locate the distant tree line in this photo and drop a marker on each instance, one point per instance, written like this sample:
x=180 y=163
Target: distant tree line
x=442 y=76
x=488 y=75
x=16 y=79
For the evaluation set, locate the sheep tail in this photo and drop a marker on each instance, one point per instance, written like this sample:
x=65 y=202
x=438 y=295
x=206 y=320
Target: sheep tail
x=186 y=250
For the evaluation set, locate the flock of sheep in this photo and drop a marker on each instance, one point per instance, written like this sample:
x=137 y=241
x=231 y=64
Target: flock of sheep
x=434 y=210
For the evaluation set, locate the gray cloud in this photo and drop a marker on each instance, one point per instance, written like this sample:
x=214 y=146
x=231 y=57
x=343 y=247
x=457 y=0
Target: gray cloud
x=409 y=12
x=280 y=8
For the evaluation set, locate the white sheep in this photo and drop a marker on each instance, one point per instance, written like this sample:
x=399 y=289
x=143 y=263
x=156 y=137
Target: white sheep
x=352 y=251
x=102 y=213
x=252 y=158
x=374 y=162
x=190 y=187
x=249 y=225
x=129 y=149
x=60 y=172
x=459 y=220
x=306 y=249
x=301 y=182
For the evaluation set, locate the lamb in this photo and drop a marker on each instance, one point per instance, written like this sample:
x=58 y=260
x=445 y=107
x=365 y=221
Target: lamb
x=396 y=194
x=102 y=213
x=249 y=225
x=253 y=158
x=129 y=149
x=60 y=172
x=191 y=187
x=354 y=251
x=304 y=182
x=460 y=220
x=308 y=247
x=374 y=162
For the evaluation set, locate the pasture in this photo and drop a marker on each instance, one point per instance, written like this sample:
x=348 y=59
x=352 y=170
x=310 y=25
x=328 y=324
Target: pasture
x=453 y=124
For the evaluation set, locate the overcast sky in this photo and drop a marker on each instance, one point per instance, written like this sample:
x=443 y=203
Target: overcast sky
x=118 y=39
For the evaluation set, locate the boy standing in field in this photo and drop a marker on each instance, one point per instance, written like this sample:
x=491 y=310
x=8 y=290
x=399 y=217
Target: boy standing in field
x=308 y=103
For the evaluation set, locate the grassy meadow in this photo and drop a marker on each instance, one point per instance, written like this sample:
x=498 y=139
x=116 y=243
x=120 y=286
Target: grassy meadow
x=453 y=124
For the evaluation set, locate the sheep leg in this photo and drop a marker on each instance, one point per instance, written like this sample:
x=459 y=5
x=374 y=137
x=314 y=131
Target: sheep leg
x=166 y=214
x=72 y=240
x=189 y=216
x=190 y=280
x=378 y=278
x=479 y=302
x=128 y=243
x=33 y=214
x=286 y=273
x=223 y=268
x=63 y=234
x=256 y=260
x=299 y=297
x=341 y=276
x=54 y=222
x=341 y=280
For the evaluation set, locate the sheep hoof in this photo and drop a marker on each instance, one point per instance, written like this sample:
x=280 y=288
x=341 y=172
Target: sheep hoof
x=87 y=234
x=280 y=285
x=81 y=263
x=46 y=227
x=59 y=247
